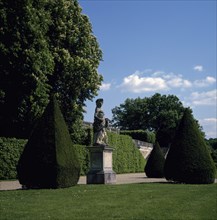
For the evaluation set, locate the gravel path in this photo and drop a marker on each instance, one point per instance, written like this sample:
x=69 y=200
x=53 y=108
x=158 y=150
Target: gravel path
x=120 y=179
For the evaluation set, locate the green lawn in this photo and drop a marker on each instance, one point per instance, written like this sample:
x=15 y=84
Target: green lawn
x=101 y=202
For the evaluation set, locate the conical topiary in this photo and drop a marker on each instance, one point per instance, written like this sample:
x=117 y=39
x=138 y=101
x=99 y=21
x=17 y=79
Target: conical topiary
x=189 y=160
x=49 y=159
x=155 y=164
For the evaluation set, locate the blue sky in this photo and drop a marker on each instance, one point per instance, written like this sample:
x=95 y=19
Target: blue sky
x=167 y=47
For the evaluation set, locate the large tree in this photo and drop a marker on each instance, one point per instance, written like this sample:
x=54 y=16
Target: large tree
x=159 y=113
x=76 y=55
x=25 y=63
x=47 y=47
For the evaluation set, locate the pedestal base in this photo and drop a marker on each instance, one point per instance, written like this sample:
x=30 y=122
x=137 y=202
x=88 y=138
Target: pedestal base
x=101 y=166
x=101 y=178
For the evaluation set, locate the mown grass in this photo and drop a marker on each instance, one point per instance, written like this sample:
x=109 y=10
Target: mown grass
x=104 y=202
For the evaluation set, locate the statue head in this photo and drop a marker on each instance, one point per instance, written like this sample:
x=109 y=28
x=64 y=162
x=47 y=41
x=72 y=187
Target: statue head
x=99 y=102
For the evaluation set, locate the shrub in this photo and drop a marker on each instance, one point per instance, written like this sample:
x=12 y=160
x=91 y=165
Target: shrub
x=155 y=164
x=87 y=139
x=10 y=150
x=49 y=159
x=126 y=156
x=212 y=144
x=141 y=135
x=214 y=156
x=189 y=160
x=83 y=157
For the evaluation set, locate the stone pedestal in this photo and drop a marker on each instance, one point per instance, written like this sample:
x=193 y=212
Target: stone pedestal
x=101 y=165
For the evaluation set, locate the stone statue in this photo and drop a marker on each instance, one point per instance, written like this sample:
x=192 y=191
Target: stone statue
x=99 y=126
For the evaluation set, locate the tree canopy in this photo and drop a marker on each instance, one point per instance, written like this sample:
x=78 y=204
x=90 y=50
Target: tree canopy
x=46 y=47
x=159 y=113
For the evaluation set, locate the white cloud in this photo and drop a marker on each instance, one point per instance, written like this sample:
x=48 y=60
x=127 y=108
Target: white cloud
x=198 y=68
x=160 y=81
x=204 y=98
x=158 y=73
x=205 y=82
x=209 y=121
x=157 y=81
x=209 y=126
x=105 y=86
x=177 y=81
x=136 y=84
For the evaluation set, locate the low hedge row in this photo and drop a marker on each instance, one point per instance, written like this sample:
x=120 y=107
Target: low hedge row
x=84 y=158
x=141 y=135
x=126 y=157
x=10 y=151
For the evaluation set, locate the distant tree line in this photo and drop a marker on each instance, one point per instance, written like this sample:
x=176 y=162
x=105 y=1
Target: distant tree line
x=212 y=144
x=158 y=113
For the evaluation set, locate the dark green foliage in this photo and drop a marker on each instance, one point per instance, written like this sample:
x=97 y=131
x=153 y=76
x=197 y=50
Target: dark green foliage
x=10 y=150
x=83 y=157
x=49 y=159
x=141 y=135
x=214 y=157
x=87 y=138
x=155 y=164
x=76 y=55
x=212 y=144
x=126 y=156
x=159 y=113
x=25 y=65
x=46 y=46
x=189 y=160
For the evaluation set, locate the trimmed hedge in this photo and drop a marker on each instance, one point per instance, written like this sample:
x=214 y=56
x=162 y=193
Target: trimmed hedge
x=141 y=135
x=155 y=164
x=189 y=160
x=10 y=151
x=12 y=148
x=49 y=159
x=83 y=157
x=126 y=157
